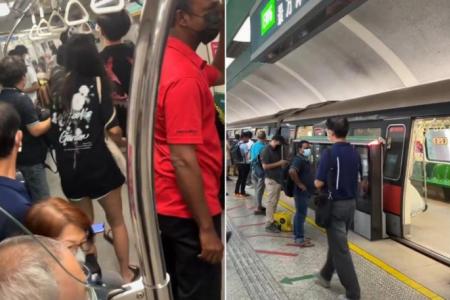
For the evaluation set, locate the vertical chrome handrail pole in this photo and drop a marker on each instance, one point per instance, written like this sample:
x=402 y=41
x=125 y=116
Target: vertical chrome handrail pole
x=153 y=31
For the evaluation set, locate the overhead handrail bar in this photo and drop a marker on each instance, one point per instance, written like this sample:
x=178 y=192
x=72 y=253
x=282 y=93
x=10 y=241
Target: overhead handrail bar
x=41 y=27
x=100 y=7
x=153 y=32
x=84 y=28
x=69 y=6
x=56 y=29
x=19 y=10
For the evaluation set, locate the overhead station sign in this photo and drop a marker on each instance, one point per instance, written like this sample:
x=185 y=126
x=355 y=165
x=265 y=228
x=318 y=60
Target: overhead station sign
x=277 y=26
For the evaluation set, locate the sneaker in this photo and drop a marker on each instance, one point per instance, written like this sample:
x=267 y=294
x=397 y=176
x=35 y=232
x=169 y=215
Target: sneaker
x=342 y=297
x=303 y=243
x=259 y=212
x=273 y=228
x=245 y=195
x=322 y=282
x=237 y=195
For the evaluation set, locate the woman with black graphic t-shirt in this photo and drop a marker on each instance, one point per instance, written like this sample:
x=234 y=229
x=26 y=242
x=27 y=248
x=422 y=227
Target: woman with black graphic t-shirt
x=86 y=166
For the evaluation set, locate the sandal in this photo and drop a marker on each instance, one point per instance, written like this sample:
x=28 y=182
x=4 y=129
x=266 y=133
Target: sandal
x=108 y=236
x=136 y=272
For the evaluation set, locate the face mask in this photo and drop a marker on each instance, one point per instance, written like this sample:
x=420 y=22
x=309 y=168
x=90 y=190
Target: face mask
x=80 y=256
x=212 y=20
x=307 y=152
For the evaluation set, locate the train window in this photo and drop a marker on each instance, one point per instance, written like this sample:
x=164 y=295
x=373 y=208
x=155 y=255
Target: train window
x=367 y=131
x=285 y=132
x=304 y=131
x=272 y=132
x=394 y=151
x=437 y=145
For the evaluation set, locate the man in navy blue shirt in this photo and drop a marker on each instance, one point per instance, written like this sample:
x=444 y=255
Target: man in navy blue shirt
x=14 y=197
x=301 y=175
x=344 y=163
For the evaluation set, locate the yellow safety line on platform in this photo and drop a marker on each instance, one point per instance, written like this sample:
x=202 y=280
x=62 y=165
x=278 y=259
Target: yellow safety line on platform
x=376 y=261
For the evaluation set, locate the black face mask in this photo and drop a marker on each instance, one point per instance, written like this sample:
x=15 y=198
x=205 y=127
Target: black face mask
x=212 y=20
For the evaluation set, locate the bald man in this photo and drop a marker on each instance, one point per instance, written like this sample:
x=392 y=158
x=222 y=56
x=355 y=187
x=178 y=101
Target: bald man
x=27 y=271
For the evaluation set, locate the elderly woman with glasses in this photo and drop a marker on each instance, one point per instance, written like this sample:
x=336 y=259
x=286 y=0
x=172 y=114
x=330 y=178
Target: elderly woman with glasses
x=62 y=221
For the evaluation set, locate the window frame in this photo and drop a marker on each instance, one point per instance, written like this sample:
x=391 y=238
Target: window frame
x=402 y=154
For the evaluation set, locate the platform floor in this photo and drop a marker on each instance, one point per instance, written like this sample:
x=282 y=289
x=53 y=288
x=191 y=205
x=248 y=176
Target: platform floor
x=269 y=266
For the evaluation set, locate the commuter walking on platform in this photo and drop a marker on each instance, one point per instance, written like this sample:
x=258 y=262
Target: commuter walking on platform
x=34 y=124
x=86 y=166
x=118 y=58
x=273 y=163
x=341 y=164
x=243 y=163
x=258 y=175
x=301 y=175
x=14 y=198
x=188 y=155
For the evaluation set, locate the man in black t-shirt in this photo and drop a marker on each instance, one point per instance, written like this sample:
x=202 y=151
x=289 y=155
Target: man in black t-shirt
x=118 y=58
x=30 y=161
x=273 y=162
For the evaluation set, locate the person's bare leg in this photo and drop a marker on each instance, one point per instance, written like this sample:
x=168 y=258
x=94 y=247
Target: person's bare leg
x=85 y=205
x=112 y=205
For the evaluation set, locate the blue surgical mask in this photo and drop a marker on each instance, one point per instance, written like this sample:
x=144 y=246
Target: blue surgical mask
x=307 y=152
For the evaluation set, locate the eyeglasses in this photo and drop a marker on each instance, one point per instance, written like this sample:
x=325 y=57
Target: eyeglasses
x=84 y=246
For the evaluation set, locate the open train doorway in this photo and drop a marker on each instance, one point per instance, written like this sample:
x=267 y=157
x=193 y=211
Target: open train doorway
x=427 y=186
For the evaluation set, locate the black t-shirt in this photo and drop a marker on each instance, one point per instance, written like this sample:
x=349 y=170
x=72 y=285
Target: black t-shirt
x=303 y=168
x=118 y=60
x=270 y=156
x=78 y=135
x=34 y=149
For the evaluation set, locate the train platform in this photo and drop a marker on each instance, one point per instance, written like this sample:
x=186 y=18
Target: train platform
x=263 y=265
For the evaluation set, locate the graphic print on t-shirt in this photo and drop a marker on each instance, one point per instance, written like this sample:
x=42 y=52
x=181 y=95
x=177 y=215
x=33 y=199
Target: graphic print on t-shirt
x=74 y=125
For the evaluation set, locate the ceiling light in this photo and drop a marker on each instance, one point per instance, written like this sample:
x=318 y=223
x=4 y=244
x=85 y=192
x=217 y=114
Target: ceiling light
x=4 y=9
x=243 y=34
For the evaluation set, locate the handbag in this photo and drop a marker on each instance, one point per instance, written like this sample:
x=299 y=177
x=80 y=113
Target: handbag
x=324 y=201
x=110 y=144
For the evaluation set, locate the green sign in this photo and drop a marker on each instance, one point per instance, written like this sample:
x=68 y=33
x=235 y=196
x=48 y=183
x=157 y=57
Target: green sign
x=268 y=17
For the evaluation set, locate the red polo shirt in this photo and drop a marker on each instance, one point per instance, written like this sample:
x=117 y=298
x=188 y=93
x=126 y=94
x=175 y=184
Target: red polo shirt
x=186 y=115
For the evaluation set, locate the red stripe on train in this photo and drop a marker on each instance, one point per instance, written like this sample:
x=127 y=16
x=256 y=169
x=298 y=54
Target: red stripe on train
x=392 y=198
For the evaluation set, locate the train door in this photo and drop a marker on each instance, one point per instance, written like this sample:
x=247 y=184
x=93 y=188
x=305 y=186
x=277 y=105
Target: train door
x=427 y=186
x=394 y=163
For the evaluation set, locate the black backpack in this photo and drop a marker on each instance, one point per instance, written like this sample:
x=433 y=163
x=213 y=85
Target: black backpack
x=287 y=183
x=236 y=154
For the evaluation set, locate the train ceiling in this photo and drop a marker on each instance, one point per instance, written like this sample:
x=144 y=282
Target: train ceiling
x=381 y=46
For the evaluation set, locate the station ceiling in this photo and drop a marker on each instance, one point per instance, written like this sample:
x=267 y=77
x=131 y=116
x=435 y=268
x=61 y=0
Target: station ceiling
x=381 y=46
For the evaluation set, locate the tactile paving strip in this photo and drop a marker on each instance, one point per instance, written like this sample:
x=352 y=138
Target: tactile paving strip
x=254 y=276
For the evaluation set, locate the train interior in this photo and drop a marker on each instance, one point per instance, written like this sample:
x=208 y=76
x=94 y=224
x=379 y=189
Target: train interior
x=427 y=185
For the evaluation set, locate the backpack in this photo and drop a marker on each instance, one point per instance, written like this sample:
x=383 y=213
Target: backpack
x=287 y=183
x=44 y=98
x=236 y=154
x=257 y=167
x=118 y=92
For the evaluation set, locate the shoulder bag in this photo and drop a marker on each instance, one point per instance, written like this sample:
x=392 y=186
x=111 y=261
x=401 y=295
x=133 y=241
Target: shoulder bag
x=324 y=201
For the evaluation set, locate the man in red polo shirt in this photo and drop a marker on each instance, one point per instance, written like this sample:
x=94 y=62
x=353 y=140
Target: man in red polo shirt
x=188 y=154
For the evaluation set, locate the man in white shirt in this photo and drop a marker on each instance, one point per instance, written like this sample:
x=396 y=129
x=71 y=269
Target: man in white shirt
x=31 y=83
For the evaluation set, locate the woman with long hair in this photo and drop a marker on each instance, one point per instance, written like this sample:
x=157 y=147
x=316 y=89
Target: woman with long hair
x=81 y=118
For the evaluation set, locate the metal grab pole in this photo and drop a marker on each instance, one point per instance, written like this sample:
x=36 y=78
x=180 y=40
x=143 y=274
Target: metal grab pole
x=154 y=28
